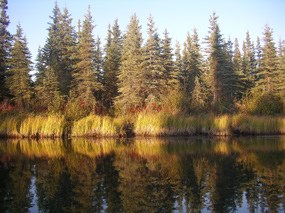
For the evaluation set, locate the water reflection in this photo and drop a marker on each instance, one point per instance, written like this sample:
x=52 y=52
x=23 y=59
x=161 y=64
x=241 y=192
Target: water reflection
x=143 y=175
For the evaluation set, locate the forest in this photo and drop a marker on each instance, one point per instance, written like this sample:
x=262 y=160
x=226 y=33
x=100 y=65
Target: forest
x=135 y=84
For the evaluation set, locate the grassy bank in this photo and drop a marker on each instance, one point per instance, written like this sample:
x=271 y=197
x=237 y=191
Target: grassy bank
x=40 y=126
x=32 y=126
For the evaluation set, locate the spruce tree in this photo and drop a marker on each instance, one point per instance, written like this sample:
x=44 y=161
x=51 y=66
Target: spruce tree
x=58 y=52
x=112 y=64
x=19 y=82
x=219 y=75
x=5 y=48
x=171 y=72
x=249 y=62
x=281 y=67
x=98 y=61
x=194 y=82
x=268 y=72
x=187 y=76
x=178 y=61
x=131 y=76
x=67 y=49
x=155 y=82
x=48 y=93
x=85 y=83
x=241 y=83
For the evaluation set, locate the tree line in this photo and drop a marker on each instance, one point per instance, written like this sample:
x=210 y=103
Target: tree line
x=77 y=75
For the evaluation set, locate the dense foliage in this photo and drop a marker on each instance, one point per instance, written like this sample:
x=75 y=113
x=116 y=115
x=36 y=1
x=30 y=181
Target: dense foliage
x=76 y=76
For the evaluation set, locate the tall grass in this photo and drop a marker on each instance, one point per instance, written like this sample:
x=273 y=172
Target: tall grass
x=94 y=125
x=42 y=126
x=30 y=125
x=258 y=125
x=9 y=126
x=142 y=124
x=170 y=125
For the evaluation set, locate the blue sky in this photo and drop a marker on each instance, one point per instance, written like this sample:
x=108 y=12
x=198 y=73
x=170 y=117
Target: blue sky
x=178 y=16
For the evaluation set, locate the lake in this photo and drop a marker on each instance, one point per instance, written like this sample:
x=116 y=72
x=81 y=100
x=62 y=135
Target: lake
x=194 y=174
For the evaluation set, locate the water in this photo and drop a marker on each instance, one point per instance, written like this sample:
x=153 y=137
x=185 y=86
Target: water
x=143 y=175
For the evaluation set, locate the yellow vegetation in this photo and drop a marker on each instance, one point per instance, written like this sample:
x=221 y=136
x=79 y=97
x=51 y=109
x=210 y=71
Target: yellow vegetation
x=42 y=126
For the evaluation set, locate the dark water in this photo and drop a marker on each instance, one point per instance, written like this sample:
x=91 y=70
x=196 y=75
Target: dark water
x=143 y=175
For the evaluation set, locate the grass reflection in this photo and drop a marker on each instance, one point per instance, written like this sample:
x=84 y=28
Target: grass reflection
x=93 y=148
x=32 y=148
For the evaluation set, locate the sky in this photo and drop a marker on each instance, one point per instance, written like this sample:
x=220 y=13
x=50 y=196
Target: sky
x=236 y=17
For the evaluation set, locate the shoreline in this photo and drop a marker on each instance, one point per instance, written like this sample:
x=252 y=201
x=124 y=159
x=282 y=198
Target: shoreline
x=150 y=125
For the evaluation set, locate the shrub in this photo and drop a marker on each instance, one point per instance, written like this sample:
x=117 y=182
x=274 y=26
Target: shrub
x=267 y=104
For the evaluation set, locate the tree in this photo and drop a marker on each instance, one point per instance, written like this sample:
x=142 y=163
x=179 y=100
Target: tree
x=131 y=76
x=85 y=79
x=5 y=47
x=18 y=82
x=171 y=71
x=178 y=61
x=155 y=78
x=58 y=52
x=48 y=94
x=281 y=67
x=112 y=64
x=268 y=72
x=220 y=77
x=249 y=62
x=241 y=83
x=67 y=49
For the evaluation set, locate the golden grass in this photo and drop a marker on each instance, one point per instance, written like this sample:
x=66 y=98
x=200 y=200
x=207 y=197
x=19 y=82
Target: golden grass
x=42 y=126
x=9 y=127
x=142 y=124
x=94 y=125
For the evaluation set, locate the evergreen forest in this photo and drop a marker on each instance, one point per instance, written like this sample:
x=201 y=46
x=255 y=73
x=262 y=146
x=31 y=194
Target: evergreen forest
x=77 y=75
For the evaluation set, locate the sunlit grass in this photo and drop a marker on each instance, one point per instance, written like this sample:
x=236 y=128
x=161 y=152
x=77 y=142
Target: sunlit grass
x=42 y=126
x=9 y=126
x=141 y=124
x=94 y=125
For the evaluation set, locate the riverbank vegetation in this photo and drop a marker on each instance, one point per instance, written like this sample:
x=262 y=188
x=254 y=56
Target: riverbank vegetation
x=135 y=86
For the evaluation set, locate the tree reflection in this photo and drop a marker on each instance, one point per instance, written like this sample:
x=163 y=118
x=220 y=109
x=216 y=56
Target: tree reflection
x=143 y=175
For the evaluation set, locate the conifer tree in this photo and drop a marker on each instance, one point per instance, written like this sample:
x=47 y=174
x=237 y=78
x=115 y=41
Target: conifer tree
x=48 y=94
x=229 y=78
x=241 y=84
x=98 y=61
x=258 y=54
x=85 y=83
x=196 y=83
x=249 y=62
x=268 y=72
x=178 y=61
x=67 y=49
x=112 y=64
x=18 y=81
x=281 y=67
x=59 y=49
x=187 y=76
x=171 y=71
x=219 y=75
x=5 y=47
x=131 y=76
x=155 y=82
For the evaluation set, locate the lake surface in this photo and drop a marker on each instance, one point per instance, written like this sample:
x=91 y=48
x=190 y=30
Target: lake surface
x=143 y=175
